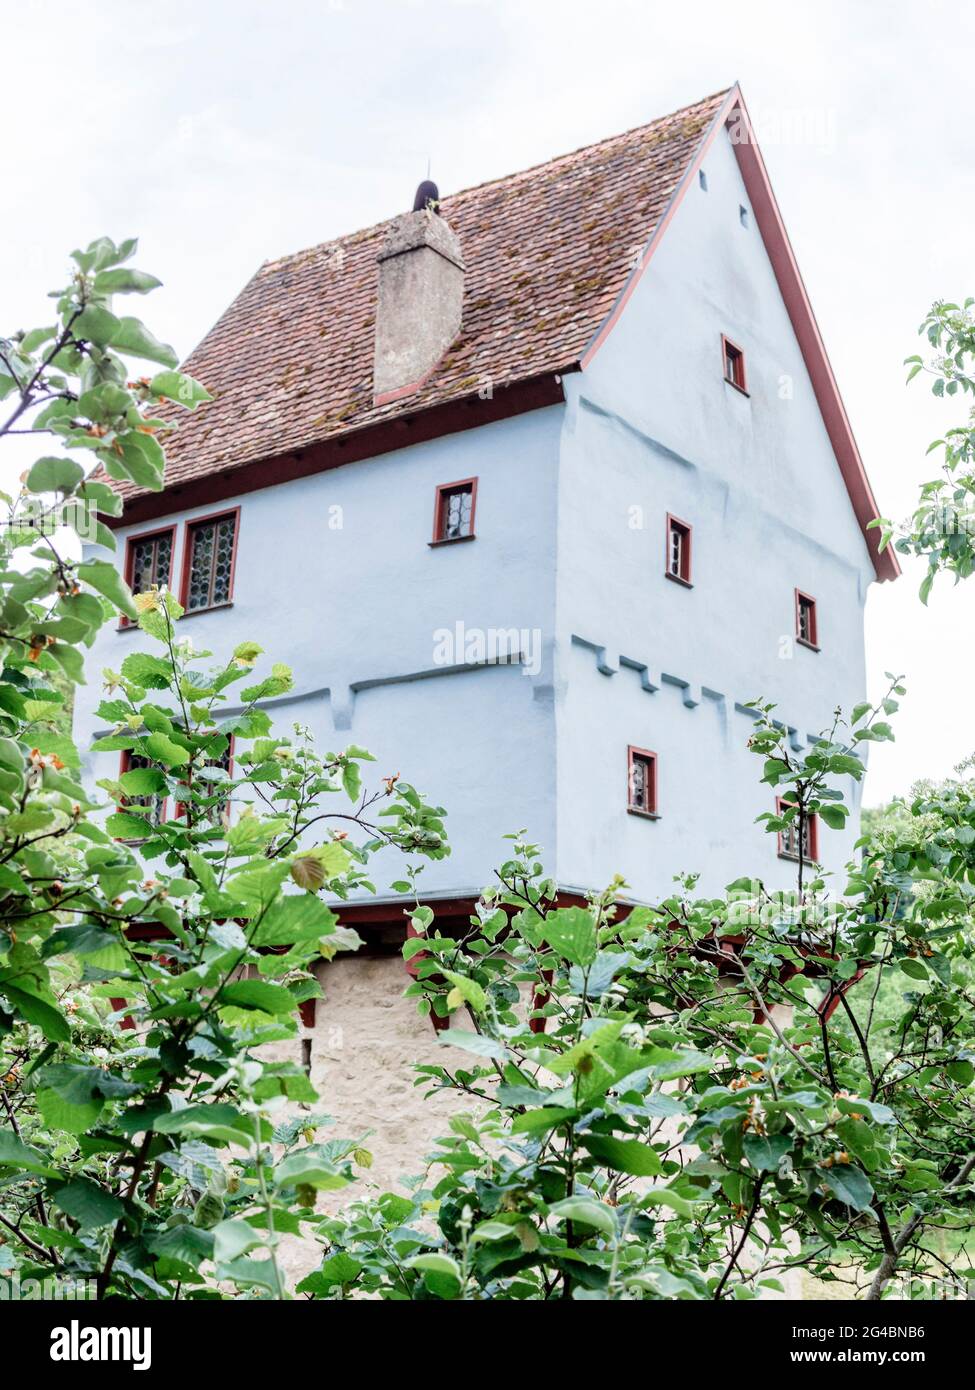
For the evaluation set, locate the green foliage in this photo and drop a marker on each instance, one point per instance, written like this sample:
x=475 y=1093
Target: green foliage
x=685 y=1100
x=942 y=528
x=146 y=1158
x=696 y=1099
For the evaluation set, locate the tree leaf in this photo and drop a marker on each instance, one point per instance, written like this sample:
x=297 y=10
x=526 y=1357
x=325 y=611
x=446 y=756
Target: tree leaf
x=537 y=1121
x=257 y=994
x=571 y=932
x=96 y=324
x=233 y=1238
x=596 y=981
x=106 y=580
x=90 y=1205
x=852 y=1105
x=434 y=1262
x=55 y=475
x=624 y=1155
x=477 y=1043
x=143 y=781
x=134 y=339
x=667 y=1064
x=14 y=1153
x=177 y=386
x=465 y=991
x=586 y=1210
x=851 y=1185
x=765 y=1151
x=162 y=749
x=125 y=281
x=914 y=968
x=293 y=918
x=50 y=1020
x=123 y=825
x=309 y=1166
x=308 y=872
x=150 y=672
x=183 y=1242
x=833 y=816
x=666 y=1197
x=71 y=1116
x=219 y=1122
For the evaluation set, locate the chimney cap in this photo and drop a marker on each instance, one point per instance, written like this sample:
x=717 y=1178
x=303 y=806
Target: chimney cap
x=427 y=196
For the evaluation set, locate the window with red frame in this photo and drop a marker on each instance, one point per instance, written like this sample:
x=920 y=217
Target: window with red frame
x=734 y=364
x=218 y=810
x=641 y=782
x=678 y=550
x=789 y=837
x=807 y=627
x=208 y=562
x=149 y=561
x=154 y=802
x=453 y=517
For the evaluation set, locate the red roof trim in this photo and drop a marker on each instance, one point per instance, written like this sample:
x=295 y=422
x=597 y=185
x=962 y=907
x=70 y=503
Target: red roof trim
x=734 y=114
x=810 y=340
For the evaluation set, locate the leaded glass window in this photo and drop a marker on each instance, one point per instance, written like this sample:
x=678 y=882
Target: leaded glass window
x=806 y=619
x=455 y=512
x=216 y=813
x=734 y=365
x=642 y=782
x=211 y=562
x=789 y=837
x=156 y=805
x=678 y=550
x=151 y=561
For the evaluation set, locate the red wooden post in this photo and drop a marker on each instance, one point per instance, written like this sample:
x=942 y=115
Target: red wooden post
x=439 y=1024
x=540 y=997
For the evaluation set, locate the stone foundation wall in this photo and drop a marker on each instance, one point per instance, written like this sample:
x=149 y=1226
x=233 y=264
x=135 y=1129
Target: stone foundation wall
x=364 y=1045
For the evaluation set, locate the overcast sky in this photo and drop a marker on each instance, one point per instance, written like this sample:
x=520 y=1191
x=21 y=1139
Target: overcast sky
x=227 y=132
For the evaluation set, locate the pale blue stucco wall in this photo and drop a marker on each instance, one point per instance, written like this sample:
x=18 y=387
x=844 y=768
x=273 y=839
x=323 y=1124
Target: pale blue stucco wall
x=571 y=508
x=650 y=428
x=354 y=609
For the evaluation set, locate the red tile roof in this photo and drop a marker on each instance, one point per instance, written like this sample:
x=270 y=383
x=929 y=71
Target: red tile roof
x=547 y=251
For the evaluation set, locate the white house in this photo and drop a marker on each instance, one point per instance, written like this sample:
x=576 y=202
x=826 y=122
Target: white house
x=581 y=417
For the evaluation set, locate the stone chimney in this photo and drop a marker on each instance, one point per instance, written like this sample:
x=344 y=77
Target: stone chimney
x=421 y=290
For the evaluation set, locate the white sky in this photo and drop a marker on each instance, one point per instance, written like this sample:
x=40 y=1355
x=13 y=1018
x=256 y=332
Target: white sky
x=227 y=132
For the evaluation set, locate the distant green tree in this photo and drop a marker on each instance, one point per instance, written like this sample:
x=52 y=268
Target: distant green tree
x=942 y=528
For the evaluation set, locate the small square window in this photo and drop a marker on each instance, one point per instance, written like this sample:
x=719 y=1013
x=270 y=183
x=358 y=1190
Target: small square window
x=807 y=626
x=743 y=215
x=789 y=837
x=153 y=802
x=702 y=179
x=678 y=560
x=734 y=364
x=208 y=562
x=149 y=562
x=453 y=516
x=641 y=782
